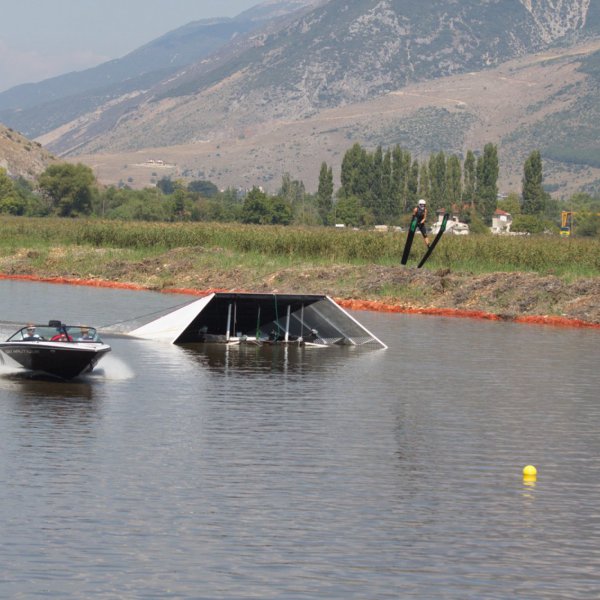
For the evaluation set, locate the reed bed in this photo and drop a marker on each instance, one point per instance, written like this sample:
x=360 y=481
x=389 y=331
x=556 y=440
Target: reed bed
x=476 y=253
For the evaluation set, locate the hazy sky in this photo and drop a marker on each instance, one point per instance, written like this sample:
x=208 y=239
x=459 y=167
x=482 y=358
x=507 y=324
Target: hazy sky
x=44 y=38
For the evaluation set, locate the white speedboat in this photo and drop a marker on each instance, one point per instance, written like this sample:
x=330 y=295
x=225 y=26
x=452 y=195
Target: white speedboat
x=56 y=349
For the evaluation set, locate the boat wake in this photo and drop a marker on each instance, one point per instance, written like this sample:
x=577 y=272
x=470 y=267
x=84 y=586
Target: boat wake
x=111 y=368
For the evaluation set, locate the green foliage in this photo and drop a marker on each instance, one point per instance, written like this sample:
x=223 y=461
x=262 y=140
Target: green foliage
x=356 y=173
x=166 y=185
x=259 y=209
x=453 y=195
x=476 y=224
x=387 y=184
x=7 y=187
x=581 y=202
x=487 y=182
x=69 y=189
x=293 y=194
x=423 y=190
x=325 y=193
x=585 y=214
x=533 y=192
x=589 y=225
x=207 y=189
x=16 y=197
x=541 y=254
x=552 y=209
x=349 y=211
x=12 y=205
x=528 y=224
x=144 y=207
x=511 y=204
x=470 y=179
x=401 y=179
x=225 y=208
x=437 y=181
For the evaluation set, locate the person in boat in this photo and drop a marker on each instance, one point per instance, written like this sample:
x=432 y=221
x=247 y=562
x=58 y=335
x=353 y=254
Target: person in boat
x=61 y=336
x=31 y=333
x=86 y=335
x=420 y=211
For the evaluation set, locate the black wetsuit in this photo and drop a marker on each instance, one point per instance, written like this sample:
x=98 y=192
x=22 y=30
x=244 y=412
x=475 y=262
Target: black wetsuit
x=420 y=213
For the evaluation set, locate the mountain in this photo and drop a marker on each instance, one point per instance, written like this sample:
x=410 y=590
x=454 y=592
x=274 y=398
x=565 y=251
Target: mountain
x=359 y=67
x=36 y=108
x=20 y=156
x=508 y=105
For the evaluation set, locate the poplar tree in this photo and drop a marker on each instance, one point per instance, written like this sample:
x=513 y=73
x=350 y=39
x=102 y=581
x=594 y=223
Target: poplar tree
x=533 y=192
x=356 y=173
x=325 y=193
x=398 y=183
x=401 y=162
x=453 y=182
x=423 y=182
x=437 y=181
x=470 y=179
x=374 y=198
x=389 y=204
x=487 y=182
x=412 y=186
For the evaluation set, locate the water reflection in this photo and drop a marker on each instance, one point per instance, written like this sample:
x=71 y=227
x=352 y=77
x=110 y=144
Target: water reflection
x=56 y=401
x=274 y=472
x=250 y=359
x=40 y=388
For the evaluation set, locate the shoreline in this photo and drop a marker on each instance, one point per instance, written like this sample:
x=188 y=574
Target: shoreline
x=347 y=303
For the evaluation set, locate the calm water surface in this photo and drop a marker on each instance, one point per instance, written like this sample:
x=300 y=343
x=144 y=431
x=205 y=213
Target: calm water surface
x=331 y=473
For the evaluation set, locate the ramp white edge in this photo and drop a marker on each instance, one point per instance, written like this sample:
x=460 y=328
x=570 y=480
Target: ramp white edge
x=169 y=327
x=384 y=346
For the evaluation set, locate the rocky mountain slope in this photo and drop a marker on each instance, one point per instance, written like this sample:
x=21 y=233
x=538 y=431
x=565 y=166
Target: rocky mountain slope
x=509 y=105
x=21 y=157
x=37 y=108
x=357 y=67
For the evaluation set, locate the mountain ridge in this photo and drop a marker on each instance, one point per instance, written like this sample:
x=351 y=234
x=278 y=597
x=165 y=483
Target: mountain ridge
x=21 y=157
x=337 y=54
x=36 y=108
x=452 y=115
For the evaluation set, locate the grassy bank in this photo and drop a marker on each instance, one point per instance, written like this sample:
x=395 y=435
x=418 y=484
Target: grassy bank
x=505 y=276
x=245 y=245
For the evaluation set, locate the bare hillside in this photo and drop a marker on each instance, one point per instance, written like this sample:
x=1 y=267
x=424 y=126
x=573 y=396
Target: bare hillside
x=22 y=157
x=451 y=114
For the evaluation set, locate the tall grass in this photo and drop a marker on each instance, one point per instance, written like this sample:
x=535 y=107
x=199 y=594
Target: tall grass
x=478 y=253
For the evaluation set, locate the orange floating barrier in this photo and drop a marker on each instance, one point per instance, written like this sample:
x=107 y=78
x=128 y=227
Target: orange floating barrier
x=349 y=303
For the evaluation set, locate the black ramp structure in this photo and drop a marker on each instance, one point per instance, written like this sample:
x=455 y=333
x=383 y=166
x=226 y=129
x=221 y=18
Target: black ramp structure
x=237 y=318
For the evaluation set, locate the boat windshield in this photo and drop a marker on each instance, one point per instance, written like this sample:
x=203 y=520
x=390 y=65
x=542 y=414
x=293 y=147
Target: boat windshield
x=55 y=333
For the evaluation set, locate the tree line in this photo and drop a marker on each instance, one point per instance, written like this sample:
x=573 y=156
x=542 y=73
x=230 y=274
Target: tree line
x=376 y=187
x=380 y=187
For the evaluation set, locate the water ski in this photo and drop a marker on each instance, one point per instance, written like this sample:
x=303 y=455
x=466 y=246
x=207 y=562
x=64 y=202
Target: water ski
x=435 y=241
x=409 y=240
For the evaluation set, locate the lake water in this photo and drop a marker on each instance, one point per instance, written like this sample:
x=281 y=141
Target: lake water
x=334 y=473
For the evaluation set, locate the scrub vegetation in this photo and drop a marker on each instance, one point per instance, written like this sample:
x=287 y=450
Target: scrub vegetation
x=541 y=254
x=195 y=236
x=509 y=276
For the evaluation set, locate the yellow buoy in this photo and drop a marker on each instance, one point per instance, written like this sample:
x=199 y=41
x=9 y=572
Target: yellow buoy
x=529 y=471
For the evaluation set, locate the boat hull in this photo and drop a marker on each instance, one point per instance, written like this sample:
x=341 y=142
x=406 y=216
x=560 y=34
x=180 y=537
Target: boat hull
x=59 y=359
